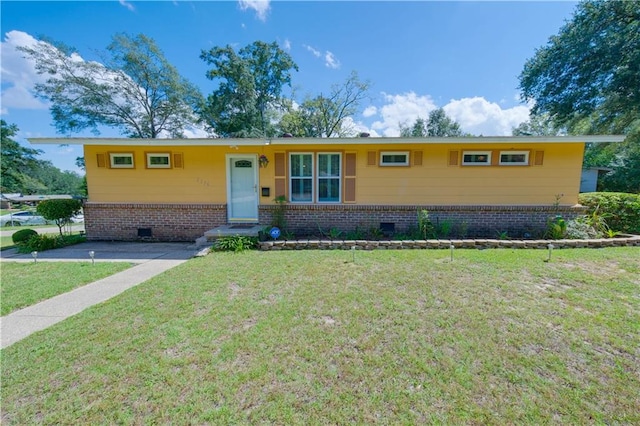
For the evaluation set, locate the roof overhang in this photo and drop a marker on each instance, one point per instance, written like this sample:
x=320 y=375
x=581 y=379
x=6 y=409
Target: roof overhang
x=330 y=141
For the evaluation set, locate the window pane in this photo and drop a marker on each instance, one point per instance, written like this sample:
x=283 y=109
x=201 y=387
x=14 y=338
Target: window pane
x=301 y=165
x=475 y=158
x=329 y=165
x=159 y=160
x=513 y=158
x=329 y=190
x=301 y=189
x=120 y=160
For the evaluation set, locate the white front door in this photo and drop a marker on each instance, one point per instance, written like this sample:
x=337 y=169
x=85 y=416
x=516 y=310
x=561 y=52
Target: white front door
x=242 y=188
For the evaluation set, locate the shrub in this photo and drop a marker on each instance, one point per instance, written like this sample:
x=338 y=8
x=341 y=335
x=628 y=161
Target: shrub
x=236 y=243
x=40 y=242
x=425 y=226
x=556 y=228
x=579 y=228
x=621 y=210
x=22 y=236
x=59 y=210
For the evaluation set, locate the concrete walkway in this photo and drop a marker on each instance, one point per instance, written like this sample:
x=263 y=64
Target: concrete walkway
x=151 y=259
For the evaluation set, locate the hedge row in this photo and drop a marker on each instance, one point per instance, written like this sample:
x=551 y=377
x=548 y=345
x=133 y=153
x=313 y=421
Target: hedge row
x=620 y=210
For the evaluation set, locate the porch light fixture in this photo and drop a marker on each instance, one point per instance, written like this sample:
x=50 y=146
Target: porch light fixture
x=34 y=254
x=263 y=160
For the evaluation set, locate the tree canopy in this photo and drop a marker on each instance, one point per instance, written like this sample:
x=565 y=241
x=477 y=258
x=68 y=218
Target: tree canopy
x=136 y=90
x=250 y=83
x=438 y=124
x=587 y=76
x=325 y=116
x=587 y=79
x=15 y=161
x=21 y=172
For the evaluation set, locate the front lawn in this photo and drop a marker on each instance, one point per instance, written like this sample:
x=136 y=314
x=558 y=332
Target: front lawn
x=24 y=284
x=311 y=337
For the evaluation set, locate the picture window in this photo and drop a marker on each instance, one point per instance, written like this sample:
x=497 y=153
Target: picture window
x=308 y=184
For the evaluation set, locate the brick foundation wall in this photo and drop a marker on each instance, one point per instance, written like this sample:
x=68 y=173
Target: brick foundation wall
x=466 y=221
x=167 y=222
x=186 y=222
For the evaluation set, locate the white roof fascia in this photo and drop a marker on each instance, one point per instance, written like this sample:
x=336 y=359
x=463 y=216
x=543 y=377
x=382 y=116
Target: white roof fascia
x=329 y=141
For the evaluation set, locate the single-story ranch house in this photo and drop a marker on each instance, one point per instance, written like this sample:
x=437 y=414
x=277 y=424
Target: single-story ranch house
x=176 y=189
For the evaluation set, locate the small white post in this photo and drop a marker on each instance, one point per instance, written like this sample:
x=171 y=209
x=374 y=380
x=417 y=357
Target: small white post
x=35 y=256
x=550 y=246
x=353 y=253
x=451 y=250
x=92 y=255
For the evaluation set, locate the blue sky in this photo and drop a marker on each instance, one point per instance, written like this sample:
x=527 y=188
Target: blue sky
x=418 y=55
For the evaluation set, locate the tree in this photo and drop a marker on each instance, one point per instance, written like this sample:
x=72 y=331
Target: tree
x=59 y=210
x=325 y=116
x=16 y=161
x=250 y=82
x=537 y=125
x=437 y=125
x=586 y=80
x=136 y=91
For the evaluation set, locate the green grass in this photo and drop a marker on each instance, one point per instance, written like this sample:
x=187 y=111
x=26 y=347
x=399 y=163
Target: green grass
x=396 y=337
x=24 y=284
x=6 y=243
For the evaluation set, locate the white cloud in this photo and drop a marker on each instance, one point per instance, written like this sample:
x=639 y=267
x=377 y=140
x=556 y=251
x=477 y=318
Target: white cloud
x=127 y=5
x=315 y=52
x=476 y=115
x=331 y=61
x=18 y=74
x=481 y=117
x=286 y=44
x=401 y=109
x=370 y=111
x=261 y=7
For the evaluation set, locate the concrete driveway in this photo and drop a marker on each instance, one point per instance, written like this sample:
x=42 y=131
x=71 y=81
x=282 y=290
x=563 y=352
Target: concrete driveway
x=135 y=252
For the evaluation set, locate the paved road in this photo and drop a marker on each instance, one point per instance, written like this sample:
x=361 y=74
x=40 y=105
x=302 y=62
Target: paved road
x=151 y=259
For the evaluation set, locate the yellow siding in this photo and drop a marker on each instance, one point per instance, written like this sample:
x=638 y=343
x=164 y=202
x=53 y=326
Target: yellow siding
x=203 y=177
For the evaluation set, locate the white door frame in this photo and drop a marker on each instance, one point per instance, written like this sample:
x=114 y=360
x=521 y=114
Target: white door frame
x=254 y=161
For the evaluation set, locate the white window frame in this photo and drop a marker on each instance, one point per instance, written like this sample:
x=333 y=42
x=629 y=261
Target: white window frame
x=472 y=163
x=158 y=154
x=312 y=177
x=510 y=163
x=316 y=190
x=114 y=155
x=386 y=164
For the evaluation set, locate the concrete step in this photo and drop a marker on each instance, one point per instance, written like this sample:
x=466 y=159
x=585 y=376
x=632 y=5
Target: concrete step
x=229 y=230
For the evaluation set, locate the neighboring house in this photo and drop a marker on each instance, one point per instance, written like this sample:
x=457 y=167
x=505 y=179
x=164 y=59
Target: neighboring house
x=9 y=200
x=176 y=189
x=590 y=176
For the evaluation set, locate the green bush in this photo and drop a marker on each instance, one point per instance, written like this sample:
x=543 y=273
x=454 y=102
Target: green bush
x=621 y=210
x=22 y=236
x=236 y=243
x=42 y=242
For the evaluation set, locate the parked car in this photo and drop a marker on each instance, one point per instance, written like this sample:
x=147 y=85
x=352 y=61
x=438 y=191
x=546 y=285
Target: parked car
x=79 y=218
x=22 y=218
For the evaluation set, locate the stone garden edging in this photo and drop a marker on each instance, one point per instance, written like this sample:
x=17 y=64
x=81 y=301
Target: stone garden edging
x=312 y=244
